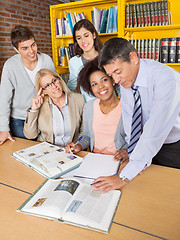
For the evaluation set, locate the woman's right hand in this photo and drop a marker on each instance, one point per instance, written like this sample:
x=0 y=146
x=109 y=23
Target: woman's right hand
x=73 y=148
x=37 y=101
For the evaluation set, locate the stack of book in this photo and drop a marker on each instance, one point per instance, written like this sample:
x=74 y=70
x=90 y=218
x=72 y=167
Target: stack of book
x=65 y=53
x=147 y=48
x=105 y=20
x=170 y=50
x=148 y=14
x=64 y=25
x=165 y=50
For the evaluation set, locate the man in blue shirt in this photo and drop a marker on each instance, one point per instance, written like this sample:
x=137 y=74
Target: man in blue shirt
x=159 y=87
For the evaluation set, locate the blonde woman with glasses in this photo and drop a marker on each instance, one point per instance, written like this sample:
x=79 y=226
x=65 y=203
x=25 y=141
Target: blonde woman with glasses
x=56 y=113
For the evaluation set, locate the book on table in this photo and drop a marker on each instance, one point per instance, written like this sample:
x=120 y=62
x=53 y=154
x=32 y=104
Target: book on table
x=73 y=202
x=49 y=160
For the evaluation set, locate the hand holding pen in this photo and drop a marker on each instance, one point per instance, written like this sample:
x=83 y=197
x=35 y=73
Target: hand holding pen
x=73 y=147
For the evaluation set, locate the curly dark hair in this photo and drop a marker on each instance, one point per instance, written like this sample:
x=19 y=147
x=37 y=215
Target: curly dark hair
x=84 y=23
x=85 y=73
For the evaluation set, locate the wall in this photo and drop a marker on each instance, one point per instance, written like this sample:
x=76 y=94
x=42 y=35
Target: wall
x=33 y=13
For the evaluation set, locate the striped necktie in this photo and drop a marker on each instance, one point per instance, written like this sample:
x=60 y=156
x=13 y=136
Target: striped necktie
x=136 y=120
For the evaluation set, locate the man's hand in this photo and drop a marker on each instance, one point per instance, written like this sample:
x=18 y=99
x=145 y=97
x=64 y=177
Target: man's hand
x=5 y=136
x=108 y=183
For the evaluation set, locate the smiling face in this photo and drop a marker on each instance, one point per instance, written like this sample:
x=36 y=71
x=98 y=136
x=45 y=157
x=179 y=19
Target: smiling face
x=85 y=39
x=124 y=73
x=101 y=85
x=27 y=50
x=52 y=86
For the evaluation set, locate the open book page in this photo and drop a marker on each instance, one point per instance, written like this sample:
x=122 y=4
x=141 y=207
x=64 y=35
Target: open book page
x=95 y=165
x=92 y=209
x=48 y=159
x=51 y=200
x=57 y=163
x=73 y=202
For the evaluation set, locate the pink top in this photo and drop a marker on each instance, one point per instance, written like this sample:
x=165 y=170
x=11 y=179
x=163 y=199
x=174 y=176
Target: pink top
x=104 y=127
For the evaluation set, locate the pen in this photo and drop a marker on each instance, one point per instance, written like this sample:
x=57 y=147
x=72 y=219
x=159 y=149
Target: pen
x=76 y=143
x=84 y=177
x=79 y=140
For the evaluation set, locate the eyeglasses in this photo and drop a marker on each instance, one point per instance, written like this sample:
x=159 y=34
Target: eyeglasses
x=49 y=85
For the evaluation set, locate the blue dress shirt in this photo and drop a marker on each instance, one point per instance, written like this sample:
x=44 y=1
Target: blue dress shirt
x=159 y=88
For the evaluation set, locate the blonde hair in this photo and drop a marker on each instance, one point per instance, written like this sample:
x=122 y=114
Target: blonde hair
x=39 y=75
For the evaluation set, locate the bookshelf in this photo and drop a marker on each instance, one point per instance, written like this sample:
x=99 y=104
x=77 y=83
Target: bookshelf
x=86 y=6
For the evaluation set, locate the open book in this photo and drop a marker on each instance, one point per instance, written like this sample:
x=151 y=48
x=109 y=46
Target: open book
x=73 y=202
x=49 y=160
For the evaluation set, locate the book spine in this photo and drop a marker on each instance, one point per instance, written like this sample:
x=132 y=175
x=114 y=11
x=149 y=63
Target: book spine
x=164 y=50
x=155 y=14
x=148 y=14
x=59 y=56
x=134 y=16
x=115 y=19
x=145 y=48
x=71 y=48
x=178 y=49
x=172 y=50
x=162 y=13
x=157 y=49
x=152 y=13
x=145 y=14
x=159 y=13
x=138 y=46
x=70 y=22
x=130 y=16
x=141 y=15
x=141 y=48
x=138 y=15
x=149 y=49
x=127 y=15
x=166 y=12
x=153 y=48
x=92 y=16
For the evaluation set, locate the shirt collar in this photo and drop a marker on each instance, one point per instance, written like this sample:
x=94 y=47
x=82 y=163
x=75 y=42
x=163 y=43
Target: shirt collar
x=141 y=80
x=65 y=103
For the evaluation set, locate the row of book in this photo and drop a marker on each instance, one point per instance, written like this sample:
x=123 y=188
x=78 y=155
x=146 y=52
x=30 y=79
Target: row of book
x=64 y=25
x=165 y=50
x=105 y=20
x=65 y=53
x=148 y=14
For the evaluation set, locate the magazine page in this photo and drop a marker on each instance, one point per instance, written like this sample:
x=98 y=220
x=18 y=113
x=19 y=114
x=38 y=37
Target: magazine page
x=91 y=208
x=52 y=198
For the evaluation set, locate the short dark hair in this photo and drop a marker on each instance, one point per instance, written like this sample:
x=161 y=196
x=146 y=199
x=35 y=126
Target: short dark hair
x=84 y=23
x=20 y=34
x=115 y=48
x=85 y=73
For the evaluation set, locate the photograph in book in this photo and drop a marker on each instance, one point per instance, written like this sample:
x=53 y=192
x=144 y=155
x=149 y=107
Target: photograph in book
x=49 y=160
x=73 y=202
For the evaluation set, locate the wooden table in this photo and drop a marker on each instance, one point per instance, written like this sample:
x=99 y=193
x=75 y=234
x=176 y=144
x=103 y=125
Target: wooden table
x=149 y=207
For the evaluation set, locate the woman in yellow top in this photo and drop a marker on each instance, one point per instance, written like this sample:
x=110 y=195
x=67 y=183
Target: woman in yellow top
x=56 y=113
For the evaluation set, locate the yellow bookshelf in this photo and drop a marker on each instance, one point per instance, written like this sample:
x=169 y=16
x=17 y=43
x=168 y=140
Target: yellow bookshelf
x=86 y=6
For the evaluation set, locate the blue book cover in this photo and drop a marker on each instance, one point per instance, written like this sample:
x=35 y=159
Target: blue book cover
x=115 y=19
x=70 y=22
x=109 y=27
x=104 y=21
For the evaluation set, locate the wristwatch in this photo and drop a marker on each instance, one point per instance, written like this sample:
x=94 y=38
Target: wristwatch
x=123 y=178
